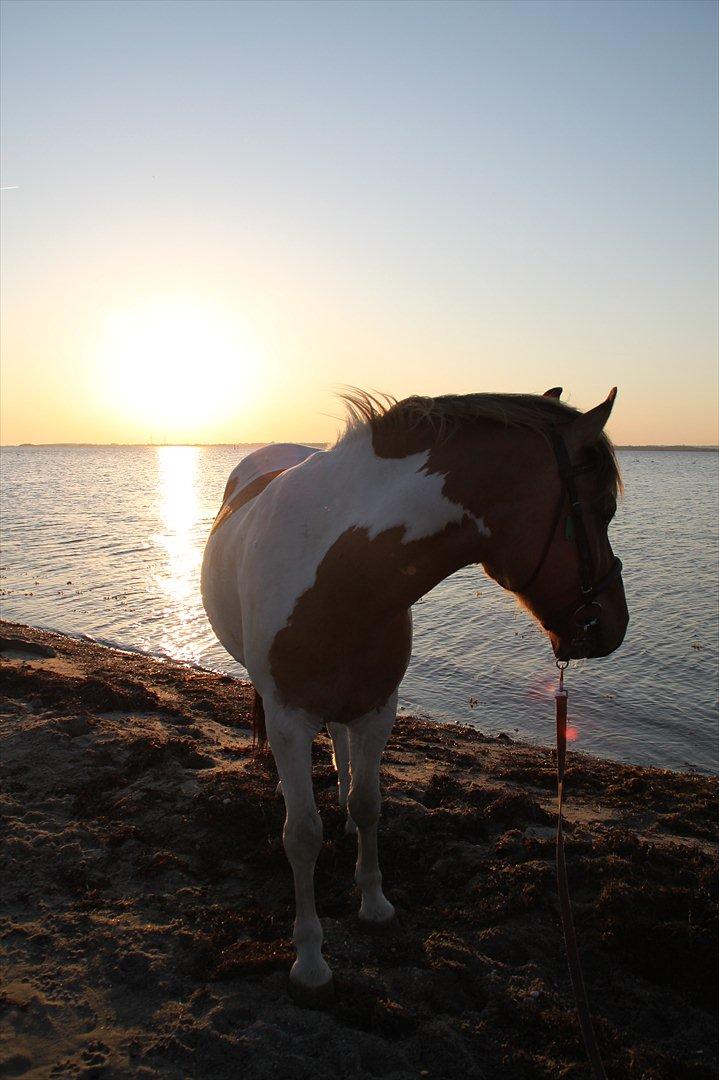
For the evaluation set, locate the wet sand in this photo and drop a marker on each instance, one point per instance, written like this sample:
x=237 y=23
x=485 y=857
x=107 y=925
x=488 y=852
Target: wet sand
x=147 y=902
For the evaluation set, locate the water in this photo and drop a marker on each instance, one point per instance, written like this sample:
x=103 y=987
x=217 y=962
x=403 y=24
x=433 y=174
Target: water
x=107 y=541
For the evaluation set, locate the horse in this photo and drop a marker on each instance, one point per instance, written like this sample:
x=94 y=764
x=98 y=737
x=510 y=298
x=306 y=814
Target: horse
x=316 y=557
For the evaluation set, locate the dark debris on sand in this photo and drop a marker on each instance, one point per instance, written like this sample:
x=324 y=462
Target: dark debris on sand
x=147 y=903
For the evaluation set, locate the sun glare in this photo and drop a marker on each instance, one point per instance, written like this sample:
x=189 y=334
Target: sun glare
x=179 y=542
x=178 y=368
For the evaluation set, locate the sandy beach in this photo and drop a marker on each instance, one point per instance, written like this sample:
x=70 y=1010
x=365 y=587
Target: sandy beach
x=147 y=902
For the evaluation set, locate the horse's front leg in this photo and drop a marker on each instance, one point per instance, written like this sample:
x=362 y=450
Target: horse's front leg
x=291 y=736
x=341 y=756
x=368 y=737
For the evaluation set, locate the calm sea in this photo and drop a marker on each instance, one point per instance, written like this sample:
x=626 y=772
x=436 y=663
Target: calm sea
x=107 y=541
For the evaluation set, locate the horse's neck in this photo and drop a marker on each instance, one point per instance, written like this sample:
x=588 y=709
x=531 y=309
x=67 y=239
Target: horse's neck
x=499 y=476
x=448 y=502
x=402 y=534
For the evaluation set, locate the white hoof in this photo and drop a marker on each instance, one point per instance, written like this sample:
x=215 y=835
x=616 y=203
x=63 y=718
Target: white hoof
x=376 y=913
x=311 y=986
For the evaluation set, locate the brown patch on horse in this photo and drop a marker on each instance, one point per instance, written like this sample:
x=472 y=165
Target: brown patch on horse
x=242 y=497
x=347 y=642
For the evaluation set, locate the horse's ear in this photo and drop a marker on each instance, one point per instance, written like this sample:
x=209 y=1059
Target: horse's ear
x=587 y=428
x=556 y=392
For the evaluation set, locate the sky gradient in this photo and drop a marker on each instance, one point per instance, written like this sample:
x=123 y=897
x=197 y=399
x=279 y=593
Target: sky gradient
x=219 y=212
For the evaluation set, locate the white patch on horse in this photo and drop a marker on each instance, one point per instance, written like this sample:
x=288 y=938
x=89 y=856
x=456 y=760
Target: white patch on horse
x=220 y=582
x=347 y=487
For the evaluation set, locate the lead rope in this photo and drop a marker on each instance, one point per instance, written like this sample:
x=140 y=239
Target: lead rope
x=565 y=904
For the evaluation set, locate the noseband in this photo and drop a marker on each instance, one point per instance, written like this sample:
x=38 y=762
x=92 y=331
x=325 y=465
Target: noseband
x=586 y=616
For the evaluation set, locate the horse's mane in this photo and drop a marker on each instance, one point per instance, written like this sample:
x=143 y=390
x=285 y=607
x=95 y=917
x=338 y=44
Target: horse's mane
x=382 y=413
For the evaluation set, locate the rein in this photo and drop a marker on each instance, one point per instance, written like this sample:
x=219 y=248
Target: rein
x=586 y=620
x=565 y=904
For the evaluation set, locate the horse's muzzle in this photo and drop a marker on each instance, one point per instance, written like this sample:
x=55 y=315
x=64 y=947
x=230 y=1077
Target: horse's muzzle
x=593 y=635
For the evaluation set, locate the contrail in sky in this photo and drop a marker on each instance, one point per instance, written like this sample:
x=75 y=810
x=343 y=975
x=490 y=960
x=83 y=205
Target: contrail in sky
x=12 y=187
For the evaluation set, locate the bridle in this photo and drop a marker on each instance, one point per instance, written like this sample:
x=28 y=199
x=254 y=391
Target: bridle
x=585 y=617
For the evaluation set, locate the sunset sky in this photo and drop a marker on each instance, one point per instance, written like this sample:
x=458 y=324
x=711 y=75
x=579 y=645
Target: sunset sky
x=216 y=213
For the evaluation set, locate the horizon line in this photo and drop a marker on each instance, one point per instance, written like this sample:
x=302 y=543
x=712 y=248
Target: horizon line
x=708 y=447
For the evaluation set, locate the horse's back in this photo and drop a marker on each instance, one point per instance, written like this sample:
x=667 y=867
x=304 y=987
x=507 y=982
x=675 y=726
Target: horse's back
x=273 y=459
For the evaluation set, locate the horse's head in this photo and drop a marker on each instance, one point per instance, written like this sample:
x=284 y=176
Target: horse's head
x=563 y=568
x=575 y=588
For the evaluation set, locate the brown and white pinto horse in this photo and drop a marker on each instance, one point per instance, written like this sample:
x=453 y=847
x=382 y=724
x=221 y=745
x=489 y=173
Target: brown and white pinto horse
x=316 y=558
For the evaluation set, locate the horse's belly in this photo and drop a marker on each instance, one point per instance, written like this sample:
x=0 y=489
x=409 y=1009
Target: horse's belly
x=340 y=672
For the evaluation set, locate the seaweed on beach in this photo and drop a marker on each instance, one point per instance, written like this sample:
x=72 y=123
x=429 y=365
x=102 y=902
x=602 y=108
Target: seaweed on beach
x=46 y=687
x=144 y=881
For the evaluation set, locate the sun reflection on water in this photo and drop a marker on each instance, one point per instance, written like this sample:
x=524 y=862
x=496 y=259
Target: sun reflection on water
x=180 y=542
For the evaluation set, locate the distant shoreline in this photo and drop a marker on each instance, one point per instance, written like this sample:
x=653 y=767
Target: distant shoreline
x=682 y=448
x=320 y=446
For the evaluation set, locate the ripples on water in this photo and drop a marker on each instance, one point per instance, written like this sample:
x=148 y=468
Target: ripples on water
x=107 y=541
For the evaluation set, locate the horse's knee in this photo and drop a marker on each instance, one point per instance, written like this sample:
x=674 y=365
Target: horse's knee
x=302 y=836
x=364 y=804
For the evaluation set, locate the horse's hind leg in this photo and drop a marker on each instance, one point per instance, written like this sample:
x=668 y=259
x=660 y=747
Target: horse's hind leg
x=341 y=760
x=290 y=736
x=368 y=737
x=341 y=754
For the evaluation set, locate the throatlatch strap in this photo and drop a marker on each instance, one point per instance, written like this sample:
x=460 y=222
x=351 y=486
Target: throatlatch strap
x=565 y=904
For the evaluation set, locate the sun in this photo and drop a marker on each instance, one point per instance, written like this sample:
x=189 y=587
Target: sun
x=177 y=367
